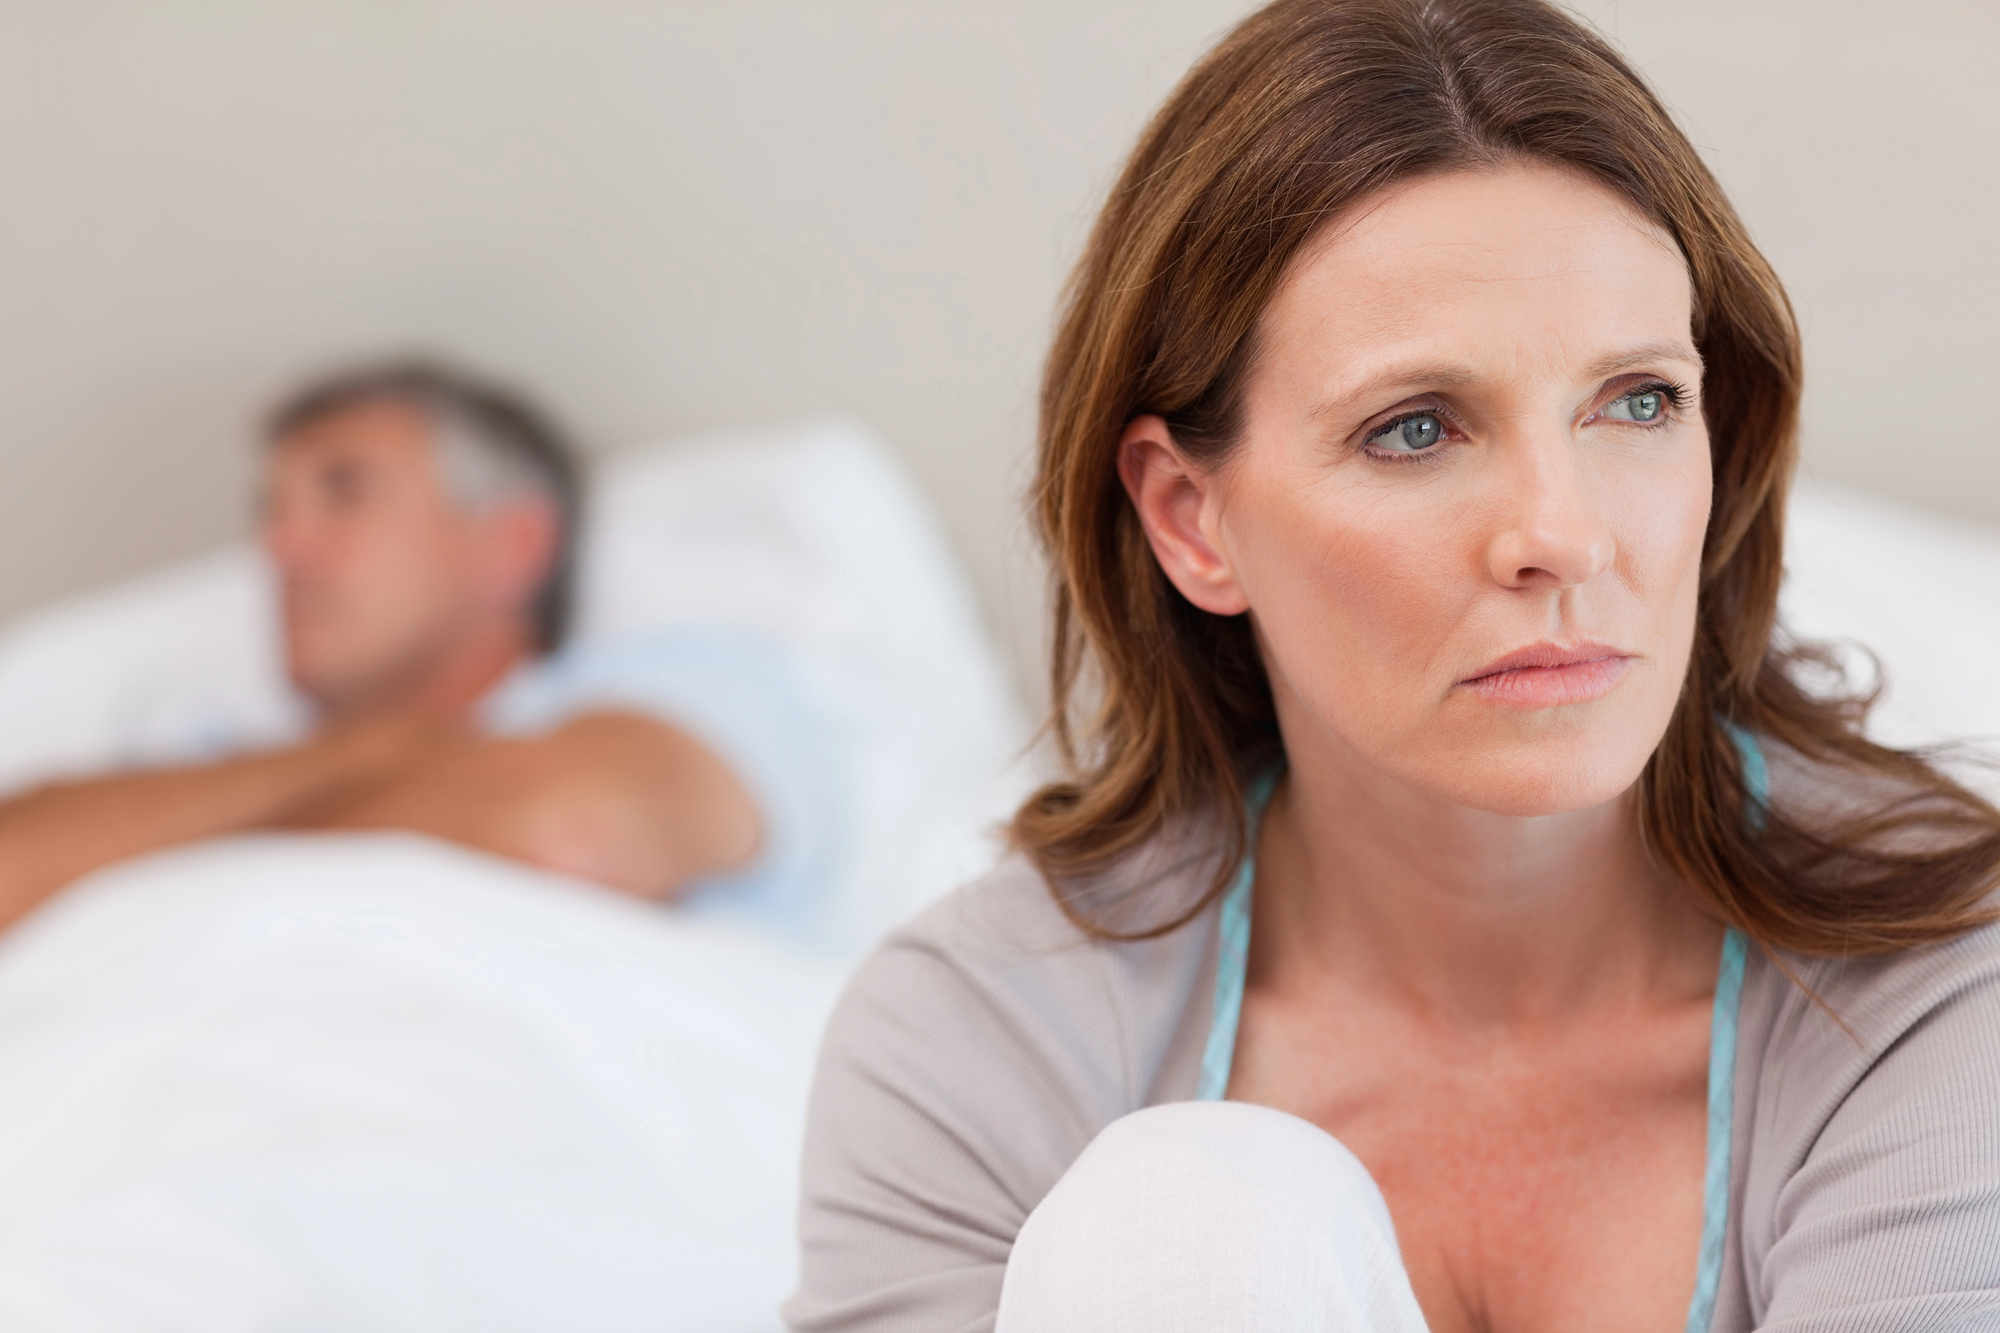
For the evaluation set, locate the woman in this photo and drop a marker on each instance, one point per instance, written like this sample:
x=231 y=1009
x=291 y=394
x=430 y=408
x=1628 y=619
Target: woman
x=1459 y=913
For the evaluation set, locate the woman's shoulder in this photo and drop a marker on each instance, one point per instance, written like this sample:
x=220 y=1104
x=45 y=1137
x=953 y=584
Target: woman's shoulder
x=1846 y=1013
x=1822 y=1034
x=973 y=1056
x=1869 y=1155
x=1005 y=916
x=1001 y=959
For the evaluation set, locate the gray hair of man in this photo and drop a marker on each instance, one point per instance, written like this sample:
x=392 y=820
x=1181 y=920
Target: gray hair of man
x=492 y=445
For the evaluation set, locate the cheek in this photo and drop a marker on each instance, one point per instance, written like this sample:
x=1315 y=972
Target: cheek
x=1660 y=517
x=381 y=580
x=1356 y=597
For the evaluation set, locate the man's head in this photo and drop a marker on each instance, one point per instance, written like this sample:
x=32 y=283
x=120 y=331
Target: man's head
x=423 y=524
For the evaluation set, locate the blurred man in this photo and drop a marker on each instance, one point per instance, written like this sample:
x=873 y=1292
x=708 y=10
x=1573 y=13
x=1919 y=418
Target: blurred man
x=422 y=525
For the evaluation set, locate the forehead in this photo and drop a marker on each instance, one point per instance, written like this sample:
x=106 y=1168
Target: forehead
x=1499 y=271
x=381 y=433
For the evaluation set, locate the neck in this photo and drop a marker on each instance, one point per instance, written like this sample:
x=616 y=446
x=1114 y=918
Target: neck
x=1466 y=916
x=444 y=682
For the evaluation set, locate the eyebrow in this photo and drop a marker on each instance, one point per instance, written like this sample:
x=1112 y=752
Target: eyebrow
x=1456 y=377
x=1639 y=356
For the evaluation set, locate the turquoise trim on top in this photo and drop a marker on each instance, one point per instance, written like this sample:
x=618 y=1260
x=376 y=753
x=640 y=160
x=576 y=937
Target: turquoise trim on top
x=1756 y=773
x=1232 y=963
x=1722 y=1059
x=1721 y=1126
x=1232 y=956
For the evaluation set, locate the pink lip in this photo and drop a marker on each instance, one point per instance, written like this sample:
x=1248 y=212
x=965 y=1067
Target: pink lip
x=1546 y=675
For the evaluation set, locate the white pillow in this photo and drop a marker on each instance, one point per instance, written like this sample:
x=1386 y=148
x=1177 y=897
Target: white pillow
x=807 y=532
x=165 y=668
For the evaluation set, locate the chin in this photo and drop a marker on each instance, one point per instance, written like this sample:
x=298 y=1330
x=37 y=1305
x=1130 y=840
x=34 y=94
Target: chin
x=333 y=686
x=1546 y=775
x=1549 y=777
x=1551 y=761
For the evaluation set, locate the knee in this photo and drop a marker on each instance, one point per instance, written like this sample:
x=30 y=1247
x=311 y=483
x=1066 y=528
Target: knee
x=1217 y=1152
x=1204 y=1215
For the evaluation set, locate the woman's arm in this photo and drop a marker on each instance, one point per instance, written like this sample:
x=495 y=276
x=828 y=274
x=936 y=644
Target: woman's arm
x=968 y=1064
x=64 y=830
x=610 y=796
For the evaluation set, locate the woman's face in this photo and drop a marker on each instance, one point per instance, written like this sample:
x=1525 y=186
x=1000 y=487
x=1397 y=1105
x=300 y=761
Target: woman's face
x=1467 y=508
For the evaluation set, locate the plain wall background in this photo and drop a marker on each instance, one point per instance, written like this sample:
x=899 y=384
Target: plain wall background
x=668 y=215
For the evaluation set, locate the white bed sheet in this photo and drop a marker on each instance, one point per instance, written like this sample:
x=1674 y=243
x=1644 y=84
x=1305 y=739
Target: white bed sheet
x=338 y=1083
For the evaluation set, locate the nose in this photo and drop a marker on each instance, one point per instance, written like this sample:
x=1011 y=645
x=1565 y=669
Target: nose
x=1552 y=533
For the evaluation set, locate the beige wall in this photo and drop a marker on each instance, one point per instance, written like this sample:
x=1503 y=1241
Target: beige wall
x=672 y=215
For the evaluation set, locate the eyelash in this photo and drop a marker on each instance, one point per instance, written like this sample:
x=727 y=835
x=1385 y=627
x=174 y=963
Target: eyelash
x=1675 y=394
x=1403 y=455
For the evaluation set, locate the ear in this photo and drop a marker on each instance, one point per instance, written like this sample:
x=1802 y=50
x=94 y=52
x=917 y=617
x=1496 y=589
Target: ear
x=1179 y=508
x=518 y=545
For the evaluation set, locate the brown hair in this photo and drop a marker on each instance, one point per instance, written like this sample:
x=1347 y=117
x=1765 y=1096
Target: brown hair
x=1305 y=108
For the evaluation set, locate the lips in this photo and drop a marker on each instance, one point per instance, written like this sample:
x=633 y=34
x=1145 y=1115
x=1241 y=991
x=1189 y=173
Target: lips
x=1547 y=675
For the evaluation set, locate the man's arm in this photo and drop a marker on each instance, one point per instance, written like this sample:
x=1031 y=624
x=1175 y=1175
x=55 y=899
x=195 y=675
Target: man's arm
x=611 y=796
x=61 y=831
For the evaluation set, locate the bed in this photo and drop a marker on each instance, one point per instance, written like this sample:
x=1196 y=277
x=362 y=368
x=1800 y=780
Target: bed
x=347 y=1082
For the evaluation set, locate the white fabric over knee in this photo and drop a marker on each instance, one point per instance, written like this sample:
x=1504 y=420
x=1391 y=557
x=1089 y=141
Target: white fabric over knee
x=1210 y=1217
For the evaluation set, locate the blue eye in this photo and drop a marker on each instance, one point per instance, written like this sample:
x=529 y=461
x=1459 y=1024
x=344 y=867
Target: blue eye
x=1643 y=406
x=1410 y=435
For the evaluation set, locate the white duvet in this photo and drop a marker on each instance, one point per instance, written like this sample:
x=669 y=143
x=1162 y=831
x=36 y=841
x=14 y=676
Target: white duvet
x=373 y=1082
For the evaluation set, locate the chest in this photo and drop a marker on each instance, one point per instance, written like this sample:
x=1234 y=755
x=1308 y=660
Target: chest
x=1538 y=1183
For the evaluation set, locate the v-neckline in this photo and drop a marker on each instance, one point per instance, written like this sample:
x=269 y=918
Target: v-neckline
x=1232 y=965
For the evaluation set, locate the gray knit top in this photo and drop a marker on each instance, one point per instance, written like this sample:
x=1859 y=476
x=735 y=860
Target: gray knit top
x=986 y=1043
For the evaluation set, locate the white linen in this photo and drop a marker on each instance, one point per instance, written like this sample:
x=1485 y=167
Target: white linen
x=176 y=666
x=373 y=1082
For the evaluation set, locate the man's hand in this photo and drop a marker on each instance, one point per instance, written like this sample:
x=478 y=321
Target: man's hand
x=614 y=797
